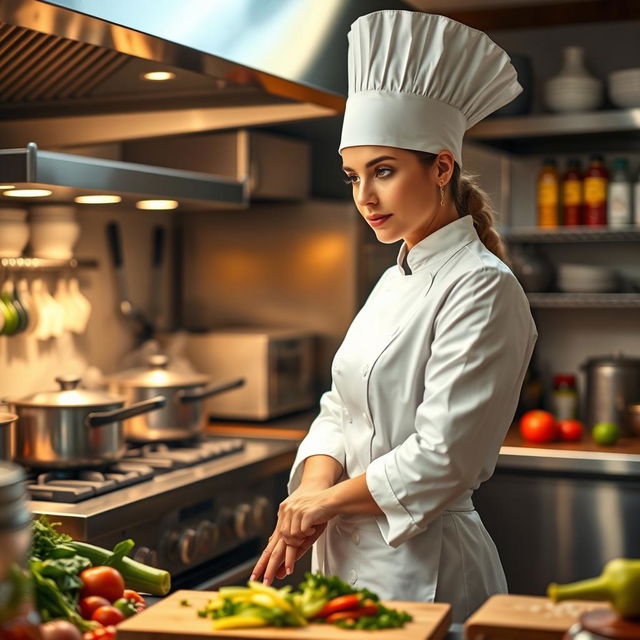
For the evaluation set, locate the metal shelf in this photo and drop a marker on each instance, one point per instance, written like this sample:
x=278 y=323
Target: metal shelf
x=584 y=300
x=572 y=234
x=40 y=264
x=616 y=129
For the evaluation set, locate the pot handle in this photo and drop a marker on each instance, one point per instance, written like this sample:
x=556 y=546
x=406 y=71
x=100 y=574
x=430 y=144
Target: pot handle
x=100 y=418
x=212 y=390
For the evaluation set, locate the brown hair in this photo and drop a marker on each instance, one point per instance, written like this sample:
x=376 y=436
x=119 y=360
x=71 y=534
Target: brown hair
x=470 y=199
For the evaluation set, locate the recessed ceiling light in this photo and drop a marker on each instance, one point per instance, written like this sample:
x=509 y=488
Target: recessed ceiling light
x=159 y=76
x=157 y=205
x=6 y=186
x=28 y=193
x=97 y=199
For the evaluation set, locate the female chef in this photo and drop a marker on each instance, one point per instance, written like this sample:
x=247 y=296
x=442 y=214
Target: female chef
x=427 y=379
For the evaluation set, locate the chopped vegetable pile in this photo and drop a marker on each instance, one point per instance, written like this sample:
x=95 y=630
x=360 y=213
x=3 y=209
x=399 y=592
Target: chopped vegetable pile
x=324 y=599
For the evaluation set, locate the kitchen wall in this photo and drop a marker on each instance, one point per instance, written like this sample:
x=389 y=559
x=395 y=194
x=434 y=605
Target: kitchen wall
x=27 y=365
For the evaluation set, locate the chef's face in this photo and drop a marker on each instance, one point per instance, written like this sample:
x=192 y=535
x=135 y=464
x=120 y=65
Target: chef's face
x=396 y=193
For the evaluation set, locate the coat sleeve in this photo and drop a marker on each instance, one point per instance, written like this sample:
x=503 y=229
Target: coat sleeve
x=483 y=340
x=324 y=437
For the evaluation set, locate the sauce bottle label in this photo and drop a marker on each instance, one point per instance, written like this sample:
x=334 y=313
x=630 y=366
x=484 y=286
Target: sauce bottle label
x=595 y=190
x=572 y=192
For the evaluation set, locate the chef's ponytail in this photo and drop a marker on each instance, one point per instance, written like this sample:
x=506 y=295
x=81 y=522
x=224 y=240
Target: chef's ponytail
x=470 y=199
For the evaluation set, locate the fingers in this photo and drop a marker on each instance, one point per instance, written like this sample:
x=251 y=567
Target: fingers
x=262 y=563
x=275 y=562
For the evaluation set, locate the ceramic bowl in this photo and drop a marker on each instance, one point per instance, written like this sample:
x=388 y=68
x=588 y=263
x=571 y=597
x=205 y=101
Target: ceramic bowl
x=14 y=232
x=54 y=232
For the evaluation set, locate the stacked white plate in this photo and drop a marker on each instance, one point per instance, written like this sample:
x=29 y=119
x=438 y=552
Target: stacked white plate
x=566 y=94
x=624 y=88
x=586 y=278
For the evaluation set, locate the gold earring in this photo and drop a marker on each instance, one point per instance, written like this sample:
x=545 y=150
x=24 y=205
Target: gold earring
x=442 y=195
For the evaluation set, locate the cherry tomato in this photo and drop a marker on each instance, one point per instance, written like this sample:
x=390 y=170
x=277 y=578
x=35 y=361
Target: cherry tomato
x=89 y=604
x=538 y=426
x=103 y=633
x=108 y=616
x=570 y=430
x=105 y=582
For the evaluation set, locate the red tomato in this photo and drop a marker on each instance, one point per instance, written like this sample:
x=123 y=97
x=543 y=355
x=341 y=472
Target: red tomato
x=129 y=594
x=538 y=426
x=107 y=616
x=570 y=430
x=89 y=604
x=353 y=614
x=105 y=582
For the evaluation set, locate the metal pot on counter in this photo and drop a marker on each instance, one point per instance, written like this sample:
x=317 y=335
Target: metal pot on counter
x=612 y=384
x=73 y=427
x=183 y=417
x=7 y=435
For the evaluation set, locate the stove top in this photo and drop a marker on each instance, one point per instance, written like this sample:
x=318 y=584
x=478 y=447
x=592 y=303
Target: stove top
x=141 y=463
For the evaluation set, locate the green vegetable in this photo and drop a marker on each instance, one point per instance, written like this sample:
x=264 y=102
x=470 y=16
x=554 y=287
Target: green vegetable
x=137 y=576
x=185 y=603
x=53 y=603
x=126 y=607
x=384 y=619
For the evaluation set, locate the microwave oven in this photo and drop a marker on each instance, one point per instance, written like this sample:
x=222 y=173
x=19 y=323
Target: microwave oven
x=278 y=366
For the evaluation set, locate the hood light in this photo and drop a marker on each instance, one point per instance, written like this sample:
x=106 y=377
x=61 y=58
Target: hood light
x=157 y=205
x=159 y=76
x=97 y=199
x=28 y=193
x=6 y=186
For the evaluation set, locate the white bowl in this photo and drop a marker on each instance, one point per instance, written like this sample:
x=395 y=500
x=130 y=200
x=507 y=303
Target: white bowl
x=625 y=98
x=573 y=270
x=625 y=75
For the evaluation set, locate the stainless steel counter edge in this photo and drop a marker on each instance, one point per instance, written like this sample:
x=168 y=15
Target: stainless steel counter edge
x=565 y=461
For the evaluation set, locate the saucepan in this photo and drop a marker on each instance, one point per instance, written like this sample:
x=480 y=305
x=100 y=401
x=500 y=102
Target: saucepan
x=7 y=424
x=73 y=427
x=183 y=417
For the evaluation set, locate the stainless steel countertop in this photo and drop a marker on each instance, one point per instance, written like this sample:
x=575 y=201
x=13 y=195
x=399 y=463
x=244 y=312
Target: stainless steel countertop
x=569 y=461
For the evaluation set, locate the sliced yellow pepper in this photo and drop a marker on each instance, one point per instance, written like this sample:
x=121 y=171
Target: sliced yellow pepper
x=279 y=601
x=239 y=622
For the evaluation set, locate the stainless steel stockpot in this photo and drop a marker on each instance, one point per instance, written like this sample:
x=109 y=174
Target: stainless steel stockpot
x=73 y=427
x=183 y=417
x=7 y=435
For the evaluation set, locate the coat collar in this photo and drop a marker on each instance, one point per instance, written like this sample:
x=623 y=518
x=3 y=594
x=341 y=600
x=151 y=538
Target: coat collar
x=452 y=236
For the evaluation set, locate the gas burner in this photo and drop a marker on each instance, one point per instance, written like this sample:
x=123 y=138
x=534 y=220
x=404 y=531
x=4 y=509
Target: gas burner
x=139 y=464
x=74 y=486
x=165 y=456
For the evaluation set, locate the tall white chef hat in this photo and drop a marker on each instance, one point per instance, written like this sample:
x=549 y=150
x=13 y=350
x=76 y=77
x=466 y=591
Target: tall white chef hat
x=419 y=81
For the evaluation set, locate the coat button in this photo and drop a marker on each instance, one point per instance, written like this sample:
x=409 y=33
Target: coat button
x=353 y=576
x=355 y=536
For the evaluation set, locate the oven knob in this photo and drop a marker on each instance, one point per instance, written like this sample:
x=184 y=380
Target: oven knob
x=225 y=523
x=242 y=520
x=261 y=512
x=207 y=535
x=142 y=555
x=169 y=546
x=187 y=546
x=152 y=560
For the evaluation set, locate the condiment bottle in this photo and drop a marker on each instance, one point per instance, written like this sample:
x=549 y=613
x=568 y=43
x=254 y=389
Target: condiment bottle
x=548 y=194
x=572 y=194
x=619 y=213
x=595 y=192
x=18 y=617
x=564 y=398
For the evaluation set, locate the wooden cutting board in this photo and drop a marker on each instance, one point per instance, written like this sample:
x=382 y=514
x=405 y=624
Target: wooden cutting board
x=168 y=620
x=510 y=617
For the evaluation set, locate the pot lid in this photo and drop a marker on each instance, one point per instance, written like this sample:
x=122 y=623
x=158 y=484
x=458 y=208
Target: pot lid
x=617 y=360
x=157 y=375
x=70 y=395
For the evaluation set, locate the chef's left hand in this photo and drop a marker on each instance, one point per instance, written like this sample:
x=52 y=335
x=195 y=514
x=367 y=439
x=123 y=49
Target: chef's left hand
x=302 y=511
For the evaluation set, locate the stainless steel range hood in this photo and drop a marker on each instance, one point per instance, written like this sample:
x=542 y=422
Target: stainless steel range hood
x=71 y=69
x=68 y=175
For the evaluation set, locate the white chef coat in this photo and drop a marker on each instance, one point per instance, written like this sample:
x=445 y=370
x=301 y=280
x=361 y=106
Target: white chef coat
x=425 y=385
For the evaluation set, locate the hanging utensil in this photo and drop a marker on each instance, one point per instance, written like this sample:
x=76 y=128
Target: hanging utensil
x=142 y=327
x=11 y=315
x=156 y=274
